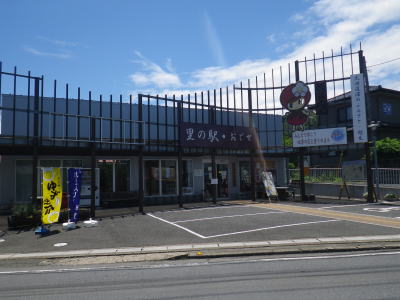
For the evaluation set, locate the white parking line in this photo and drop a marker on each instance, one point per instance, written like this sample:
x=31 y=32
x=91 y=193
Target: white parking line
x=233 y=216
x=181 y=227
x=237 y=232
x=345 y=205
x=205 y=208
x=269 y=228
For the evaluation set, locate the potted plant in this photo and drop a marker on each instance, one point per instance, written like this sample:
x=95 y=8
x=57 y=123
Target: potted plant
x=23 y=215
x=391 y=197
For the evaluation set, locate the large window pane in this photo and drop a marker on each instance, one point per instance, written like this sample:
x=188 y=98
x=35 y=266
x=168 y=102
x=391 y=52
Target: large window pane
x=168 y=172
x=106 y=175
x=187 y=180
x=122 y=176
x=244 y=173
x=68 y=163
x=151 y=177
x=23 y=180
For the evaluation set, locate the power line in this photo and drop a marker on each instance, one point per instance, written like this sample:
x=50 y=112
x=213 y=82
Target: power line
x=385 y=62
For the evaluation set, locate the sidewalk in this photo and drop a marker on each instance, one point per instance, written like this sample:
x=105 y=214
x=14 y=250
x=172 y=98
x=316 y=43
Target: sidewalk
x=210 y=250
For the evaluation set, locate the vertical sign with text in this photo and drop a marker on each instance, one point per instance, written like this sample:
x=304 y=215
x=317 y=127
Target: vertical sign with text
x=52 y=195
x=74 y=189
x=360 y=130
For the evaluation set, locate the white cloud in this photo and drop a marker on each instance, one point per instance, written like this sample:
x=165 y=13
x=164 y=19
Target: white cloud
x=56 y=42
x=153 y=74
x=333 y=24
x=214 y=41
x=62 y=55
x=271 y=38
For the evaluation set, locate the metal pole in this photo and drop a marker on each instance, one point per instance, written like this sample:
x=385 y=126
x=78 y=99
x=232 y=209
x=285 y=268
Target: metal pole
x=93 y=168
x=253 y=195
x=301 y=150
x=370 y=183
x=213 y=160
x=140 y=169
x=180 y=163
x=377 y=177
x=35 y=143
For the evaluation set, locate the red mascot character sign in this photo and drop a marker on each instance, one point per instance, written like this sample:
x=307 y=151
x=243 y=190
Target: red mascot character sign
x=294 y=98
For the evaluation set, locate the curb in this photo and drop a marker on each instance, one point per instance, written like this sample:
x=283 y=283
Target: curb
x=230 y=249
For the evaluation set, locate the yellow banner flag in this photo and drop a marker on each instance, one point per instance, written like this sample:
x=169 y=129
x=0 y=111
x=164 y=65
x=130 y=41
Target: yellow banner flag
x=52 y=195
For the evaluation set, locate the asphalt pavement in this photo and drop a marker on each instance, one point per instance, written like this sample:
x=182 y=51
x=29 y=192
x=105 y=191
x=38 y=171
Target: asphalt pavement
x=228 y=228
x=367 y=275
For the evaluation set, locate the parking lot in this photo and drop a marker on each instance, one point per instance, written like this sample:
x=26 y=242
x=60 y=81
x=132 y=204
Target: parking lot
x=225 y=222
x=254 y=221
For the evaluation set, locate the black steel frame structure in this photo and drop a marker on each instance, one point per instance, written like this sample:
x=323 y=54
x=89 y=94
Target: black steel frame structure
x=151 y=127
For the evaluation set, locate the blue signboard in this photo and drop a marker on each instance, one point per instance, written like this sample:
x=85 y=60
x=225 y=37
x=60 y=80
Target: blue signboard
x=74 y=189
x=387 y=109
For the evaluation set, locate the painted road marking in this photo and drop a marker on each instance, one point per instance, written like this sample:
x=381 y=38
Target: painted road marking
x=338 y=215
x=269 y=228
x=194 y=264
x=381 y=209
x=207 y=208
x=233 y=216
x=181 y=227
x=326 y=207
x=237 y=232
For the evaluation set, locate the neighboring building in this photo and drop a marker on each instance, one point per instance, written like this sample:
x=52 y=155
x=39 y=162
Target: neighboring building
x=64 y=133
x=383 y=106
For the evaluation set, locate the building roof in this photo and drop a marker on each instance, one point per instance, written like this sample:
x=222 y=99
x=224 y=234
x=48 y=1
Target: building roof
x=344 y=97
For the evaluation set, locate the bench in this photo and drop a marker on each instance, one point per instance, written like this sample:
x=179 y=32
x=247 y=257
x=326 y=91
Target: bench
x=119 y=199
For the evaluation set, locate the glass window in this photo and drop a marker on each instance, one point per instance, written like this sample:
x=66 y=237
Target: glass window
x=106 y=175
x=244 y=174
x=187 y=180
x=23 y=180
x=72 y=163
x=151 y=177
x=168 y=179
x=114 y=175
x=122 y=176
x=68 y=163
x=50 y=163
x=345 y=114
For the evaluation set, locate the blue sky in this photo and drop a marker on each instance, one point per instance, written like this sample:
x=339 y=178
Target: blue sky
x=155 y=46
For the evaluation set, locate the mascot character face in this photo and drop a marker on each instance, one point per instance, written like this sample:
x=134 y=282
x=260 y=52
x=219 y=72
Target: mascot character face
x=294 y=98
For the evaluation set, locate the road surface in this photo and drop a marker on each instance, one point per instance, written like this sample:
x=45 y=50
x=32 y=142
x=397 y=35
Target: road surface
x=373 y=275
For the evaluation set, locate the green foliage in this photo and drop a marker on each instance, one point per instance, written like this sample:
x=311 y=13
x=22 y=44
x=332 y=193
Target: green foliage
x=388 y=146
x=291 y=165
x=322 y=179
x=24 y=210
x=391 y=196
x=311 y=123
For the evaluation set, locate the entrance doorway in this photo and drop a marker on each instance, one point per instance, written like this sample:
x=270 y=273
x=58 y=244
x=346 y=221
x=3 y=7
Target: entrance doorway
x=222 y=176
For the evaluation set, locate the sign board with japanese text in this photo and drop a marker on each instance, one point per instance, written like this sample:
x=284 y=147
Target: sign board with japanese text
x=354 y=170
x=74 y=189
x=52 y=195
x=269 y=185
x=360 y=130
x=320 y=137
x=206 y=135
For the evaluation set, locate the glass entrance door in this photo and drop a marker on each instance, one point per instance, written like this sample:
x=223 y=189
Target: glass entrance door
x=222 y=175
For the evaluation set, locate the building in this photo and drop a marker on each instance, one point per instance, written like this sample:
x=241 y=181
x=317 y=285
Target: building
x=383 y=106
x=123 y=131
